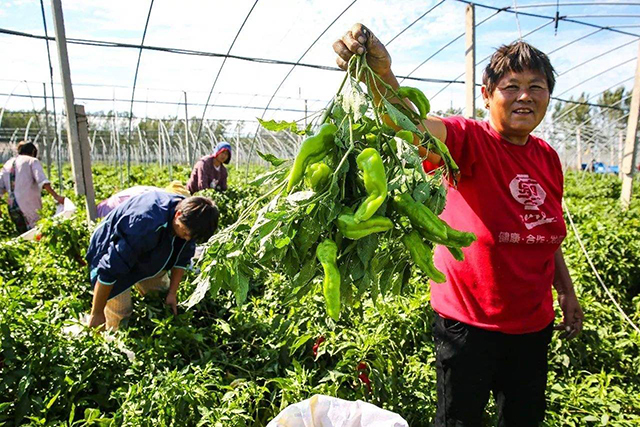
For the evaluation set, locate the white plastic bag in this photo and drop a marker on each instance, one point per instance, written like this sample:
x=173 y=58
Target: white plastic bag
x=327 y=411
x=65 y=210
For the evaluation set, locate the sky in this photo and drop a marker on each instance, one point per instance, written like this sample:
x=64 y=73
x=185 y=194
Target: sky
x=284 y=30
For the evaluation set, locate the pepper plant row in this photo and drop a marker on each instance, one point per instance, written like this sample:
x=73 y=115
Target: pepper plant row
x=355 y=211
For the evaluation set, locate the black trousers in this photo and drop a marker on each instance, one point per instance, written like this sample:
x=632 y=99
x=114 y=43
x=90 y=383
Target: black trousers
x=472 y=362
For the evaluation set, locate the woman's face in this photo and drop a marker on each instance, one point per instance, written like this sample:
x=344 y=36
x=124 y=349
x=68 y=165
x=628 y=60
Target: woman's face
x=223 y=156
x=518 y=104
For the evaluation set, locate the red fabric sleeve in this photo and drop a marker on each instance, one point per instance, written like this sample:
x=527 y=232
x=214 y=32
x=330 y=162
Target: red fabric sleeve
x=459 y=142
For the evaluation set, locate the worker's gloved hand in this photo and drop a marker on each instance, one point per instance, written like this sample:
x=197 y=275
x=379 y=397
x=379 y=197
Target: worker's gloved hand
x=97 y=320
x=172 y=301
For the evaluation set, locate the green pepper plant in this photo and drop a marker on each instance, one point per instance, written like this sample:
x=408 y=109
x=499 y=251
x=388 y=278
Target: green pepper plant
x=366 y=214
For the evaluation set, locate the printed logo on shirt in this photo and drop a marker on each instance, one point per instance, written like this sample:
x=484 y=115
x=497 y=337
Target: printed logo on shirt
x=530 y=193
x=527 y=191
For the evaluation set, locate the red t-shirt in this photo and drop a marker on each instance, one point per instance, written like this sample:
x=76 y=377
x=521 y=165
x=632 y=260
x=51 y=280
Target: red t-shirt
x=510 y=196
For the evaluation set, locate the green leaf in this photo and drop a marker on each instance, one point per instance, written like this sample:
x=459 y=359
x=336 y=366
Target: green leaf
x=275 y=126
x=422 y=192
x=398 y=118
x=270 y=158
x=367 y=248
x=240 y=285
x=306 y=272
x=53 y=400
x=300 y=342
x=300 y=196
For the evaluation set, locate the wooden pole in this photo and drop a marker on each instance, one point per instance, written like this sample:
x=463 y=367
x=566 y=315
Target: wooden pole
x=620 y=151
x=186 y=130
x=578 y=149
x=65 y=73
x=470 y=59
x=85 y=150
x=47 y=144
x=630 y=146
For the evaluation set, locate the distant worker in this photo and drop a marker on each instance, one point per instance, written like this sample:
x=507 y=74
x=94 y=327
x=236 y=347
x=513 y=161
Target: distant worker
x=209 y=171
x=109 y=204
x=23 y=178
x=138 y=243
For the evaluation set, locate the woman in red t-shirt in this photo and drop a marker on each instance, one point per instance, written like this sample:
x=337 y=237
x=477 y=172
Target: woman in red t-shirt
x=494 y=315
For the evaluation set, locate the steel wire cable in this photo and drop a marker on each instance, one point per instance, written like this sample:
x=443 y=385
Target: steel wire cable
x=447 y=45
x=617 y=3
x=133 y=92
x=591 y=96
x=587 y=121
x=596 y=57
x=489 y=56
x=414 y=22
x=598 y=75
x=287 y=76
x=595 y=271
x=55 y=115
x=561 y=18
x=595 y=134
x=574 y=41
x=204 y=111
x=208 y=54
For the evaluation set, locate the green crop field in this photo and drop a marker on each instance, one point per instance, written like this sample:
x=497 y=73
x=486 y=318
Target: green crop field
x=220 y=363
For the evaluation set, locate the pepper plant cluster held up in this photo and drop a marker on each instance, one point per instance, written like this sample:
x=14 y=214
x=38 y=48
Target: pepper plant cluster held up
x=354 y=213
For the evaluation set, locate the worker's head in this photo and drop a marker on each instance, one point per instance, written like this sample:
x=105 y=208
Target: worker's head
x=516 y=89
x=223 y=152
x=27 y=149
x=196 y=218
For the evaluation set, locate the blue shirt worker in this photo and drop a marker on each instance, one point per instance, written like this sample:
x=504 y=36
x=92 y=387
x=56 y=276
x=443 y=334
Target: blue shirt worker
x=138 y=243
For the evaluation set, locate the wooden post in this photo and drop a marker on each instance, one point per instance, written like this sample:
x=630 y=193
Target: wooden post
x=578 y=149
x=186 y=131
x=620 y=151
x=47 y=144
x=237 y=154
x=630 y=146
x=65 y=73
x=470 y=59
x=85 y=152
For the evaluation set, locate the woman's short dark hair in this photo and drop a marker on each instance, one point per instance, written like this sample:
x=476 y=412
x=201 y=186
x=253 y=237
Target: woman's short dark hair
x=200 y=215
x=27 y=149
x=517 y=57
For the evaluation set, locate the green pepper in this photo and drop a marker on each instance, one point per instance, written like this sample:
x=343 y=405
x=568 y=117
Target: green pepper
x=417 y=98
x=455 y=238
x=408 y=136
x=456 y=252
x=405 y=135
x=375 y=182
x=313 y=149
x=317 y=175
x=356 y=230
x=422 y=256
x=459 y=238
x=442 y=150
x=371 y=139
x=420 y=216
x=327 y=254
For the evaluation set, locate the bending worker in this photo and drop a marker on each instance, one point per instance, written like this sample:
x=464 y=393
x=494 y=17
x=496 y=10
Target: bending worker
x=494 y=314
x=138 y=243
x=209 y=171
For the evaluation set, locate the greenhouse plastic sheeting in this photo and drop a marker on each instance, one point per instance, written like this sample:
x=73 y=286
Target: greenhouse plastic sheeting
x=326 y=411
